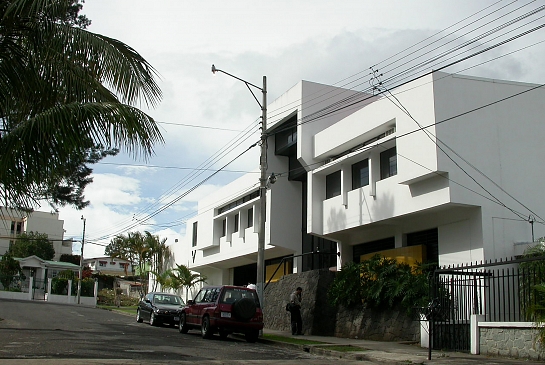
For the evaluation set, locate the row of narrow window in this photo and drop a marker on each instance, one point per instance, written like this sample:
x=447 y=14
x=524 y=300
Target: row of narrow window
x=360 y=173
x=249 y=223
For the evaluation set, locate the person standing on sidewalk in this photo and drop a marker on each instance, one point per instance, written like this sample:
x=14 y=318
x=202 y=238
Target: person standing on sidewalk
x=295 y=310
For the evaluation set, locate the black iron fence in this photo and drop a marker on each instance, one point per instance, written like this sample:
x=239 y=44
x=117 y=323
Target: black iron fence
x=501 y=291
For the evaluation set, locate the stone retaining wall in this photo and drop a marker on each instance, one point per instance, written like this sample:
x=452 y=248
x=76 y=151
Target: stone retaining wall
x=511 y=342
x=320 y=318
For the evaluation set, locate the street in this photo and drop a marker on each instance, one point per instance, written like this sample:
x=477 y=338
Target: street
x=40 y=330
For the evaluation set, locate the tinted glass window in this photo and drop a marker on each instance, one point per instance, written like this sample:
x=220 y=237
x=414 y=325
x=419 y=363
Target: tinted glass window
x=333 y=184
x=360 y=174
x=250 y=217
x=388 y=163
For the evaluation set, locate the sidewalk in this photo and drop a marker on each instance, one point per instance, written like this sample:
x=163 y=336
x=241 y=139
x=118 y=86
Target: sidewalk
x=381 y=352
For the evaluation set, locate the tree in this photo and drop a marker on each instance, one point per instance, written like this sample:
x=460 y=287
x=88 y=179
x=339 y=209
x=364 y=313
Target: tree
x=9 y=267
x=33 y=243
x=186 y=278
x=165 y=280
x=73 y=259
x=133 y=248
x=64 y=91
x=159 y=254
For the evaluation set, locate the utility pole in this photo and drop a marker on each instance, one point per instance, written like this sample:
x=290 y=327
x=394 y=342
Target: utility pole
x=262 y=181
x=81 y=261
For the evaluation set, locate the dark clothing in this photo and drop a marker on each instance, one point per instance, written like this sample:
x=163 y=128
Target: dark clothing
x=296 y=319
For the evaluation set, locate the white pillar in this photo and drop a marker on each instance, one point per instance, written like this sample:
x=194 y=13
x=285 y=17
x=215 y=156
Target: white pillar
x=475 y=333
x=31 y=288
x=424 y=332
x=69 y=294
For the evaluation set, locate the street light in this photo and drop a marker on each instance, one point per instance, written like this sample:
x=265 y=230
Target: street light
x=81 y=261
x=262 y=180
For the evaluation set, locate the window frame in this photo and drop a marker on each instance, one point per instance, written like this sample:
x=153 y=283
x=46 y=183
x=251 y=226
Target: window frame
x=356 y=174
x=194 y=234
x=333 y=184
x=236 y=224
x=250 y=220
x=387 y=168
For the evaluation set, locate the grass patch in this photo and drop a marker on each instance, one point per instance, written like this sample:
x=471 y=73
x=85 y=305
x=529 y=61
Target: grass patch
x=342 y=348
x=292 y=340
x=128 y=309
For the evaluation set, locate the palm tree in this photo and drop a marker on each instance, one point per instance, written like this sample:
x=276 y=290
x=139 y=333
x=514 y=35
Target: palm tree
x=186 y=278
x=64 y=89
x=159 y=253
x=164 y=279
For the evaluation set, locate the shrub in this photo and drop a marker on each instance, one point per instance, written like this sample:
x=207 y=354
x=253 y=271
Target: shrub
x=533 y=283
x=107 y=297
x=381 y=282
x=59 y=286
x=87 y=287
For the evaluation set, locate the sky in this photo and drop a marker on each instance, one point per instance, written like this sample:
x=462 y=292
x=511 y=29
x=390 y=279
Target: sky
x=202 y=114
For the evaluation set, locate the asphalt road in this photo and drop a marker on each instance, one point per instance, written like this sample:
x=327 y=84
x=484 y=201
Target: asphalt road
x=40 y=330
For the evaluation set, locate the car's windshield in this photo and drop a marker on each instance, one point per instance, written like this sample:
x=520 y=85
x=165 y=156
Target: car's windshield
x=167 y=299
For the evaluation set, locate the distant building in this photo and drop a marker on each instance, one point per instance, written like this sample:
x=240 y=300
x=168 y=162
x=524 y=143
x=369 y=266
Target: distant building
x=13 y=223
x=109 y=266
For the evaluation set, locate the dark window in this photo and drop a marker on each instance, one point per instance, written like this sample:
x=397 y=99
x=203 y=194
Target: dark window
x=16 y=227
x=250 y=217
x=388 y=163
x=429 y=238
x=333 y=184
x=238 y=202
x=360 y=174
x=194 y=240
x=374 y=246
x=235 y=229
x=223 y=227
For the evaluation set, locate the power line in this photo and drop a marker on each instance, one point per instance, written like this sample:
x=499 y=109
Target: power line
x=172 y=167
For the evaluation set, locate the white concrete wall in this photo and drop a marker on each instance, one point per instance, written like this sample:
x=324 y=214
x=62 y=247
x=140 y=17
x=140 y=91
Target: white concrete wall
x=505 y=143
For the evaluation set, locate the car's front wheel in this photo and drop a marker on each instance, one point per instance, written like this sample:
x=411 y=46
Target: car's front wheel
x=138 y=316
x=182 y=326
x=206 y=331
x=153 y=319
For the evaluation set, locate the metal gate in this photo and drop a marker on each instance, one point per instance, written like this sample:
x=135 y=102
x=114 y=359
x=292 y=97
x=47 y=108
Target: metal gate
x=500 y=291
x=457 y=295
x=39 y=289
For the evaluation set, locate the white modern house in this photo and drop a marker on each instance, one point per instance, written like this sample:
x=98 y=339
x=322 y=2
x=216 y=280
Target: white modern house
x=109 y=266
x=13 y=223
x=445 y=168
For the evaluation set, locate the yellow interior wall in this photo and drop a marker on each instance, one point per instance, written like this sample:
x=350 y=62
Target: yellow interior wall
x=409 y=255
x=286 y=268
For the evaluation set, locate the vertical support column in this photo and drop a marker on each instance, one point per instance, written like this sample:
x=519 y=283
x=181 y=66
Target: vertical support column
x=475 y=333
x=69 y=294
x=31 y=288
x=47 y=297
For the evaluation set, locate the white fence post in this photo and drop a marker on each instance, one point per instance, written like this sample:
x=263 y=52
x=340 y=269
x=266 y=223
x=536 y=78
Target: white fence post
x=31 y=288
x=475 y=334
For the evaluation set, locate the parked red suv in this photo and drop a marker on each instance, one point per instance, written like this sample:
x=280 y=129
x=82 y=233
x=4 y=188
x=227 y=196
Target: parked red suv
x=223 y=309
